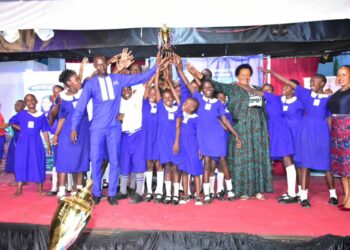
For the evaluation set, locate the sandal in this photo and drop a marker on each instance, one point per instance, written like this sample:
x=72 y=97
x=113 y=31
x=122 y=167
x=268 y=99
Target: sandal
x=198 y=201
x=230 y=195
x=148 y=197
x=260 y=196
x=167 y=200
x=206 y=200
x=184 y=200
x=175 y=200
x=158 y=198
x=244 y=197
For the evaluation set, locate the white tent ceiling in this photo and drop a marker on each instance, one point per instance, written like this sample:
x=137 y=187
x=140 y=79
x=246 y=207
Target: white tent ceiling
x=114 y=14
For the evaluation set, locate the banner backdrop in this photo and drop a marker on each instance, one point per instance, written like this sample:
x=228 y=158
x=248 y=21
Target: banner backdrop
x=223 y=68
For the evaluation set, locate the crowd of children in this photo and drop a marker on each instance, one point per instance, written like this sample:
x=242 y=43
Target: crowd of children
x=144 y=123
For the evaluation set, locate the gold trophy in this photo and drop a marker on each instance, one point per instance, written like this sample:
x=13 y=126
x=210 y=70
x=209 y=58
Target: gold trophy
x=71 y=216
x=164 y=37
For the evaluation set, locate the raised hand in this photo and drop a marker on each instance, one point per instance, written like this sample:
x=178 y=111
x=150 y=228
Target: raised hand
x=178 y=62
x=125 y=60
x=193 y=71
x=265 y=71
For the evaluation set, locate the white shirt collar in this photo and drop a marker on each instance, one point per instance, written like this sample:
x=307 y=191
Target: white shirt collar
x=172 y=109
x=315 y=95
x=36 y=114
x=288 y=101
x=186 y=115
x=66 y=97
x=210 y=100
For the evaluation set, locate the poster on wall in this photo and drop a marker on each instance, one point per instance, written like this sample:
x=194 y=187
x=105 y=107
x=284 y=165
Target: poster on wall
x=40 y=84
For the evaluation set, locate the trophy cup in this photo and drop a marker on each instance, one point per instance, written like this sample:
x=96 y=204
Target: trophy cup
x=164 y=37
x=70 y=218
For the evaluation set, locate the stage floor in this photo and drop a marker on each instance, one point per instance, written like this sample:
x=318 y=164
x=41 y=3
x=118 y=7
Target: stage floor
x=265 y=218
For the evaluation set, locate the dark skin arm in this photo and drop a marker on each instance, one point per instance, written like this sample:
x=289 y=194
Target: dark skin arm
x=148 y=87
x=158 y=96
x=53 y=114
x=179 y=67
x=280 y=77
x=177 y=99
x=230 y=128
x=58 y=131
x=176 y=146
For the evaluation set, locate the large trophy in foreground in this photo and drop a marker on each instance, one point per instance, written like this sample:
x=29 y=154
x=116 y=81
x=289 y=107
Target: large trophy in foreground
x=164 y=40
x=70 y=218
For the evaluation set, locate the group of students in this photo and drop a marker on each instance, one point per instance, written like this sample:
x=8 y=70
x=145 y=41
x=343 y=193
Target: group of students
x=143 y=122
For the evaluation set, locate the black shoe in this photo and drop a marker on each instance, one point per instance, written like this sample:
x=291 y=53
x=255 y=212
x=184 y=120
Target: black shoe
x=212 y=196
x=51 y=193
x=158 y=198
x=184 y=200
x=105 y=185
x=137 y=198
x=283 y=196
x=305 y=203
x=175 y=200
x=220 y=195
x=231 y=195
x=333 y=201
x=131 y=192
x=167 y=200
x=206 y=200
x=112 y=200
x=148 y=197
x=286 y=199
x=121 y=196
x=96 y=199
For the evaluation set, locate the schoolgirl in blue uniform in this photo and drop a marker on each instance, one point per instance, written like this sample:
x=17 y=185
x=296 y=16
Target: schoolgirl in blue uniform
x=71 y=158
x=210 y=144
x=30 y=163
x=168 y=139
x=10 y=159
x=313 y=139
x=105 y=92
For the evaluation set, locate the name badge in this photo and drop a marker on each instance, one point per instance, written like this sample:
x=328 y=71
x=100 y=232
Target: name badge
x=171 y=116
x=317 y=102
x=75 y=104
x=184 y=121
x=154 y=110
x=207 y=106
x=30 y=124
x=285 y=108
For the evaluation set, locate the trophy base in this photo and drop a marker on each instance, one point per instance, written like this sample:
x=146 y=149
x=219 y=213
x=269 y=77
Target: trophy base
x=166 y=52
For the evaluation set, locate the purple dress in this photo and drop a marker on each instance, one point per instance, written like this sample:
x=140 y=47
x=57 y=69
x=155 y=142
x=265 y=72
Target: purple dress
x=313 y=140
x=166 y=133
x=189 y=146
x=211 y=134
x=72 y=158
x=293 y=113
x=150 y=126
x=10 y=159
x=30 y=164
x=281 y=141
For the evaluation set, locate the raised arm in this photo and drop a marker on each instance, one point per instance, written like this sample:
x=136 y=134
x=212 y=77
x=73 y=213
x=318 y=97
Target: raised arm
x=158 y=96
x=179 y=67
x=279 y=77
x=171 y=86
x=82 y=67
x=147 y=86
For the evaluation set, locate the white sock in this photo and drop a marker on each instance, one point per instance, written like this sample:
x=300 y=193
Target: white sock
x=206 y=188
x=79 y=187
x=168 y=188
x=229 y=188
x=211 y=184
x=299 y=190
x=176 y=189
x=181 y=187
x=140 y=182
x=160 y=182
x=220 y=182
x=291 y=180
x=70 y=182
x=303 y=195
x=332 y=193
x=148 y=176
x=54 y=180
x=132 y=184
x=61 y=191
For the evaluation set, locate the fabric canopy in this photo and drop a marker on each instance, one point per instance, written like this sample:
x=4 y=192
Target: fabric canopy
x=112 y=14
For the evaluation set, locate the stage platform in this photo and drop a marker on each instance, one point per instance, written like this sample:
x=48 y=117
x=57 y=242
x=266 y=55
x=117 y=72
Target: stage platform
x=225 y=220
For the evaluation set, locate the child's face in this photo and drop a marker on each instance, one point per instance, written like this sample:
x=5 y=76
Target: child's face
x=316 y=83
x=267 y=88
x=127 y=93
x=188 y=106
x=55 y=92
x=221 y=97
x=287 y=90
x=19 y=106
x=195 y=86
x=30 y=102
x=168 y=99
x=135 y=69
x=178 y=90
x=152 y=95
x=208 y=89
x=74 y=82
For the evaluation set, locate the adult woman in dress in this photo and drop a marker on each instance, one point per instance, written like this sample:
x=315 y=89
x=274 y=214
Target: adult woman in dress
x=339 y=106
x=250 y=165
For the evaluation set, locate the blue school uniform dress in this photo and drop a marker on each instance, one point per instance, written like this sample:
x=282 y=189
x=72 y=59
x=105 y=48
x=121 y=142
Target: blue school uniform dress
x=293 y=113
x=10 y=159
x=72 y=158
x=281 y=140
x=189 y=146
x=133 y=137
x=150 y=127
x=313 y=140
x=30 y=164
x=211 y=134
x=105 y=93
x=167 y=132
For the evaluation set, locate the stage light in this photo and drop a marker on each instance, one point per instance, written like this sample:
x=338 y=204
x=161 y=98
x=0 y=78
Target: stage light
x=10 y=36
x=44 y=34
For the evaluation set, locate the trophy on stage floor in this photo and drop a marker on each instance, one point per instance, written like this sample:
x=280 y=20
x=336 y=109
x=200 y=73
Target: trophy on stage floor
x=164 y=40
x=70 y=218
